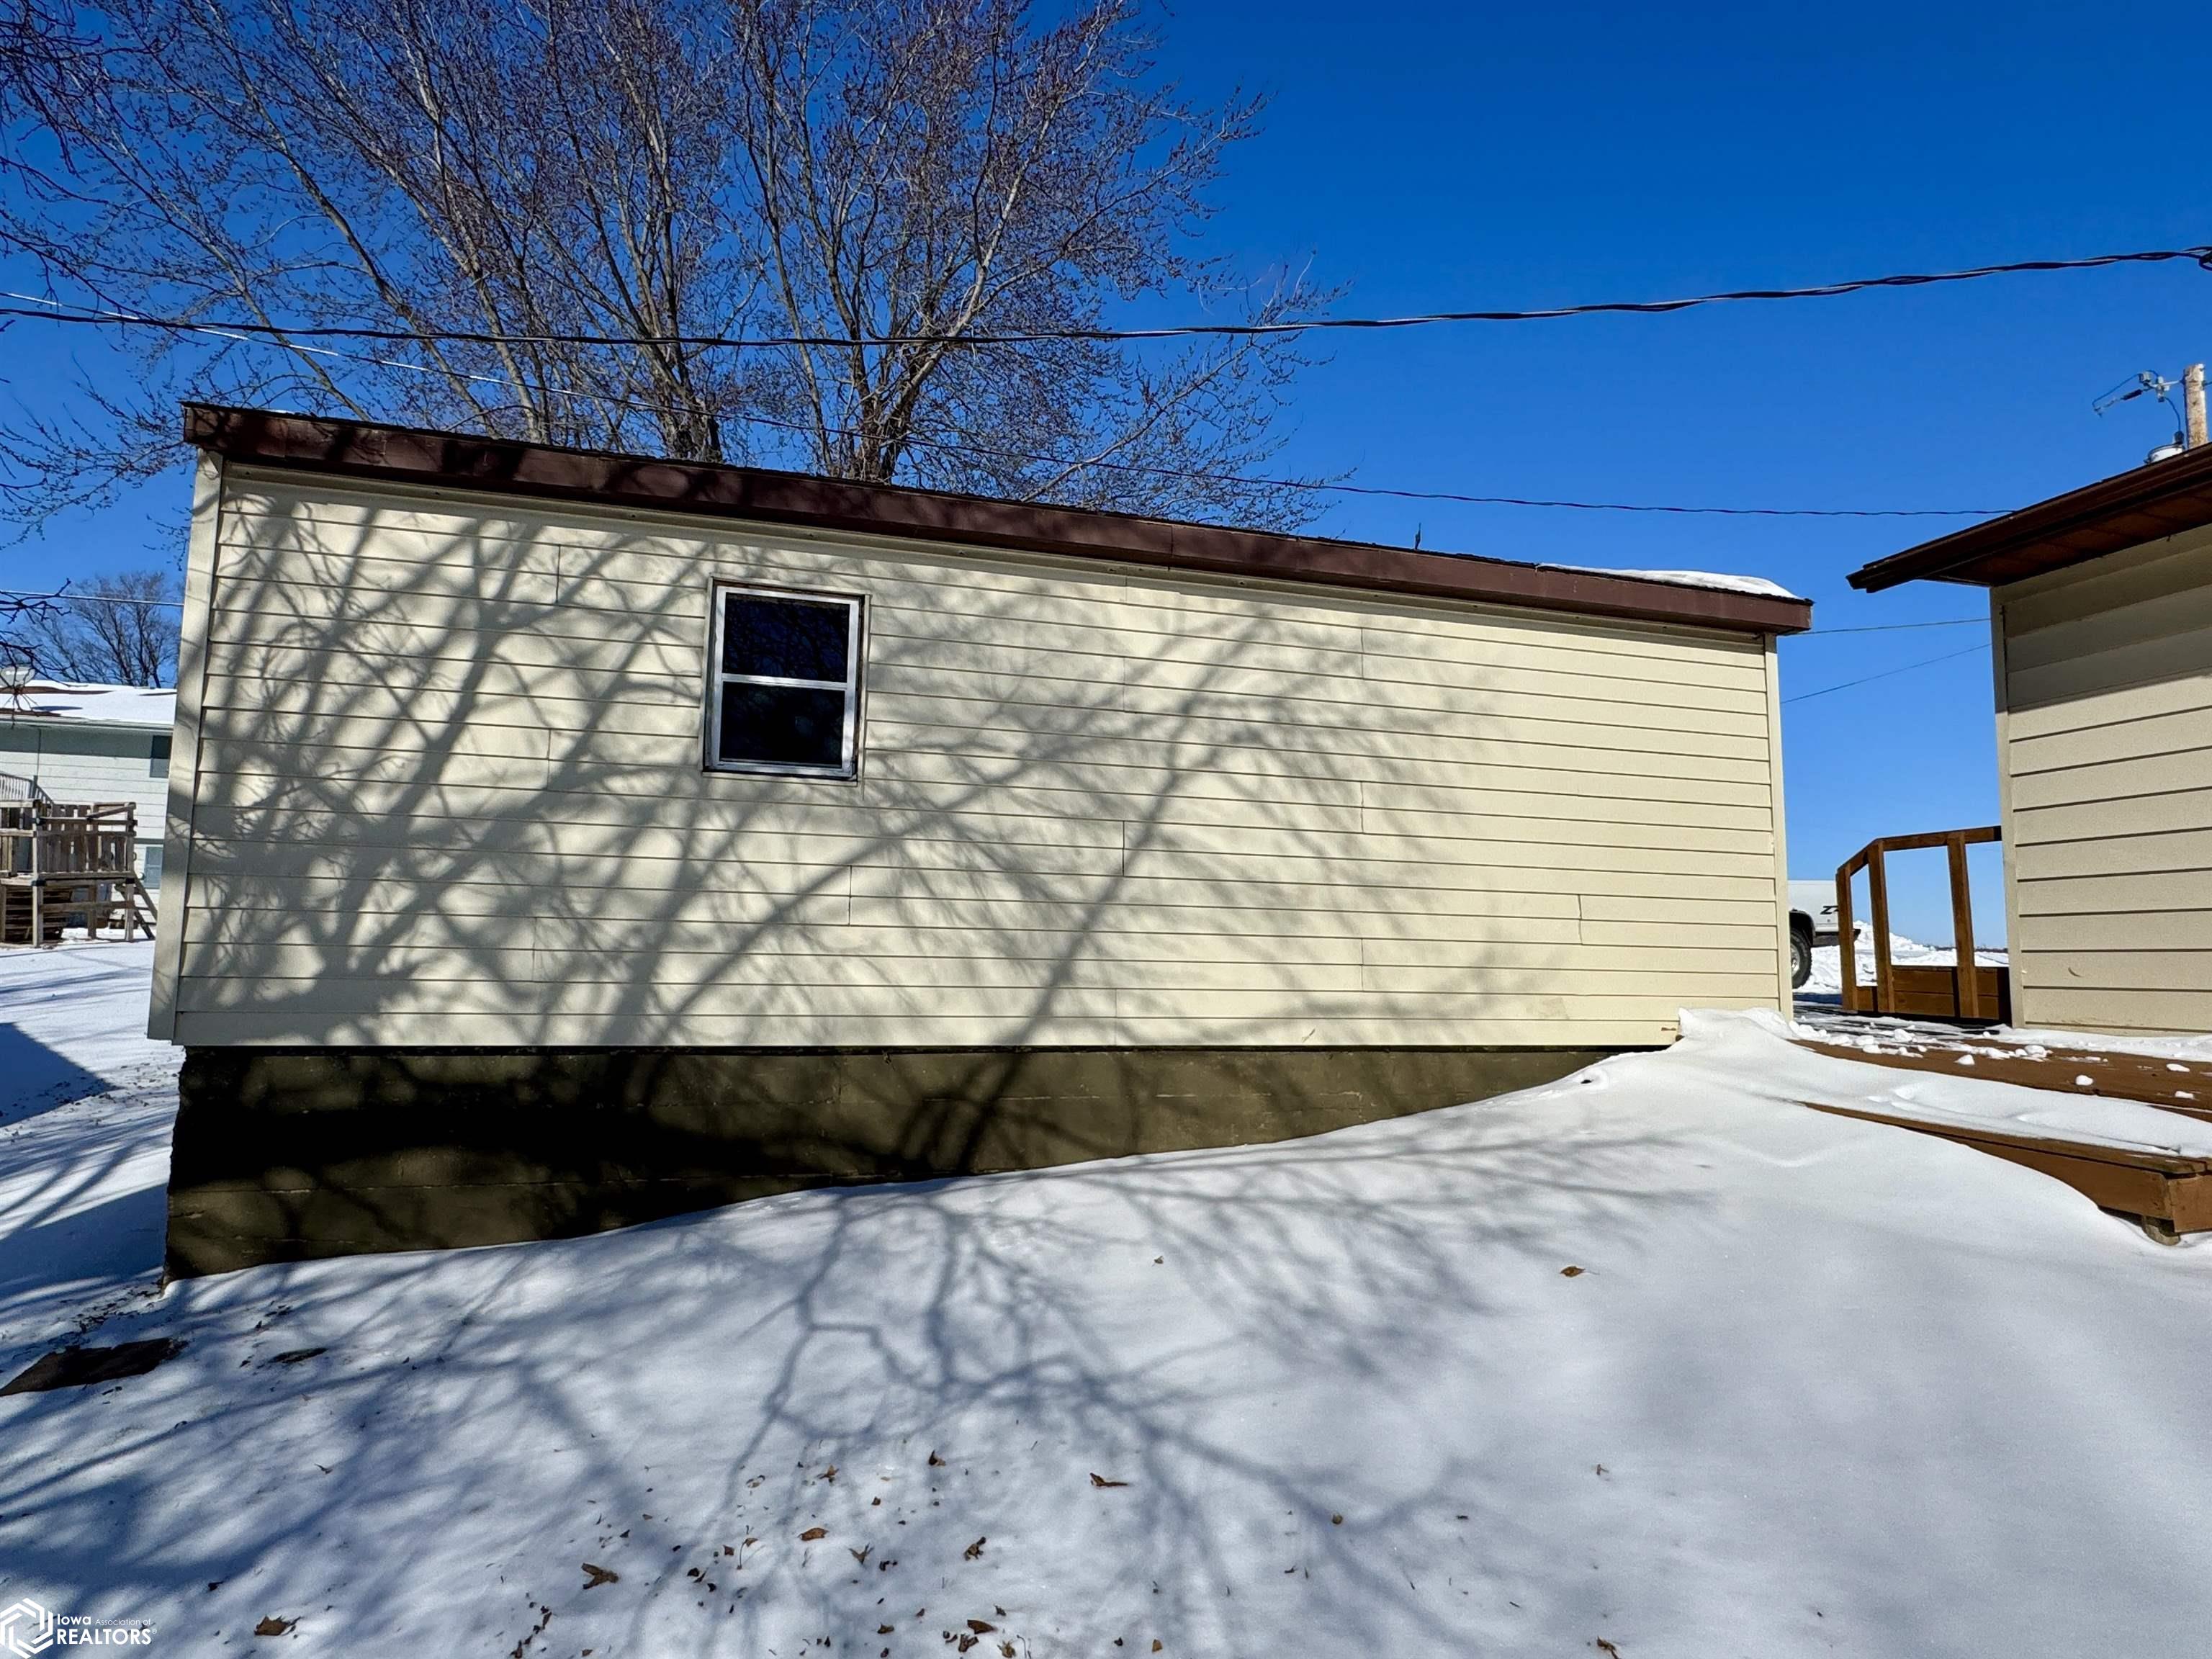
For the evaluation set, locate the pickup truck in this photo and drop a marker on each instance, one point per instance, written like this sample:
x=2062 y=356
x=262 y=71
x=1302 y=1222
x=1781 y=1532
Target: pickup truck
x=1812 y=921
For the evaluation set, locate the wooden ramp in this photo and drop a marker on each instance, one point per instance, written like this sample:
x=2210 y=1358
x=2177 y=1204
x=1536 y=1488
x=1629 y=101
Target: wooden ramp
x=2168 y=1193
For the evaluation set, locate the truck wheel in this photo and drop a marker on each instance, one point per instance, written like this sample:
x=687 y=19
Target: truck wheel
x=1801 y=957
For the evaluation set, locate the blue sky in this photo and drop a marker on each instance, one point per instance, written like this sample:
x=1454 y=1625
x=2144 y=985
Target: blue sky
x=1442 y=157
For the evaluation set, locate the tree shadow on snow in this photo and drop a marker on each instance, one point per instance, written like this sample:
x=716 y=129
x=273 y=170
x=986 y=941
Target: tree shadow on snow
x=1256 y=1341
x=37 y=1079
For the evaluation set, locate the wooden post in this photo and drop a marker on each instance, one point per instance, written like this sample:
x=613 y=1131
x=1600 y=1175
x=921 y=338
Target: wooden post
x=1885 y=986
x=38 y=887
x=2192 y=405
x=1847 y=948
x=1962 y=928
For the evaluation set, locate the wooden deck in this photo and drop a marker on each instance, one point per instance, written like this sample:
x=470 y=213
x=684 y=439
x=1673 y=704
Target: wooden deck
x=2169 y=1192
x=2184 y=1086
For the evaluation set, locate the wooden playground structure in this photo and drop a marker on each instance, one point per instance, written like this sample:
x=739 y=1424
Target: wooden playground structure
x=66 y=864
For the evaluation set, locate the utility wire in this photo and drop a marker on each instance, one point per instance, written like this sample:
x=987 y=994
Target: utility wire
x=2202 y=255
x=51 y=311
x=1869 y=680
x=1064 y=462
x=64 y=596
x=1892 y=627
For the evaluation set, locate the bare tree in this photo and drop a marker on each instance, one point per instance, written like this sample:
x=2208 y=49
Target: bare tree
x=112 y=631
x=900 y=174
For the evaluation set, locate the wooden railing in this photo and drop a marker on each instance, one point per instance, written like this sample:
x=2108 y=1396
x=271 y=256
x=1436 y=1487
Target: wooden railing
x=1964 y=990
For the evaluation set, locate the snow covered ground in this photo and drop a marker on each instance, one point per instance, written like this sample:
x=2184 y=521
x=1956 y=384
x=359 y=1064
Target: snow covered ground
x=1815 y=1386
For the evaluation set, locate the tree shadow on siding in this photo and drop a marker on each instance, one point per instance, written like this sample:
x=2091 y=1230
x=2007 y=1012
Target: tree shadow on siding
x=458 y=799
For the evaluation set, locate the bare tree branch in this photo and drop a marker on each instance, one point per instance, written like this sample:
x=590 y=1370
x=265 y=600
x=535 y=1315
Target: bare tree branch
x=856 y=168
x=112 y=631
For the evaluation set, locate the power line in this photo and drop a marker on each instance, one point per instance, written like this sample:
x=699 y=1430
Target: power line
x=62 y=595
x=1869 y=680
x=2202 y=255
x=1892 y=627
x=1645 y=507
x=1100 y=463
x=50 y=311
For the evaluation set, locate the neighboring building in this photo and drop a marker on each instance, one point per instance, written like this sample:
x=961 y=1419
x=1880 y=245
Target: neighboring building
x=2100 y=613
x=567 y=838
x=94 y=742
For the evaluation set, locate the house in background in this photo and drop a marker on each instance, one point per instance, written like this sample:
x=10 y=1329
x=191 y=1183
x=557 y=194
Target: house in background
x=94 y=743
x=561 y=839
x=2100 y=622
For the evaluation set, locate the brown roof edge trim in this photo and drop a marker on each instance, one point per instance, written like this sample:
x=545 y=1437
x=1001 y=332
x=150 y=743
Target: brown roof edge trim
x=362 y=449
x=2033 y=529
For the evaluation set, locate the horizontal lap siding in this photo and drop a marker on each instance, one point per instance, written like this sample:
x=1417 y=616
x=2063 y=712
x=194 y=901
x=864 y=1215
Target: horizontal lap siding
x=74 y=763
x=2107 y=751
x=448 y=791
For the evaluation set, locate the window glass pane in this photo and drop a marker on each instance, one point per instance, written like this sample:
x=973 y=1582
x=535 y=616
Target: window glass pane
x=783 y=725
x=789 y=639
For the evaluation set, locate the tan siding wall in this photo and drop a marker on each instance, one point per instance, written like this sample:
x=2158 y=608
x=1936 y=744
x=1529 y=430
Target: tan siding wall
x=2106 y=740
x=447 y=790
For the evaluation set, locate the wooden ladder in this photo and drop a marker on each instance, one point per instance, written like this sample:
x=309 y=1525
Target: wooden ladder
x=139 y=907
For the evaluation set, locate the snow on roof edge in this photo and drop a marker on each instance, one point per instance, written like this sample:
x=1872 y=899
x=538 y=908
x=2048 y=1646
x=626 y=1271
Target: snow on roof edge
x=87 y=703
x=1720 y=580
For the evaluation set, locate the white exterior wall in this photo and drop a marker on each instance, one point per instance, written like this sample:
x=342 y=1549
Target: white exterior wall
x=2104 y=758
x=73 y=761
x=439 y=781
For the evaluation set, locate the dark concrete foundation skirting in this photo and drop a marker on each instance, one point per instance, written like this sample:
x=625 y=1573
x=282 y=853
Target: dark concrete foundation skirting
x=284 y=1154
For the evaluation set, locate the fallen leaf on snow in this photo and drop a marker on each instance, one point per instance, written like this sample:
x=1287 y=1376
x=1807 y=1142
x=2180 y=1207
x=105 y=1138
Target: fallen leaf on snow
x=595 y=1576
x=980 y=1626
x=813 y=1533
x=1101 y=1481
x=973 y=1550
x=273 y=1625
x=1571 y=1272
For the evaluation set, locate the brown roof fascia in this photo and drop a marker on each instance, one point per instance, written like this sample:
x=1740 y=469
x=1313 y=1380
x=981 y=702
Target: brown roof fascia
x=407 y=454
x=2161 y=499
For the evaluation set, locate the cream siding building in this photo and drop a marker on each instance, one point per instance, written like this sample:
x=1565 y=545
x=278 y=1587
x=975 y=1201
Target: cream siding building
x=2101 y=631
x=451 y=753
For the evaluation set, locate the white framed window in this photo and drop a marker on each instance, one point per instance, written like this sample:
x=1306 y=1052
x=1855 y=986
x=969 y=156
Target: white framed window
x=783 y=686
